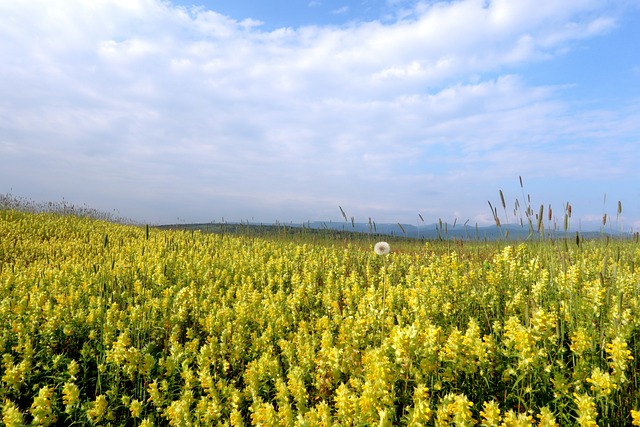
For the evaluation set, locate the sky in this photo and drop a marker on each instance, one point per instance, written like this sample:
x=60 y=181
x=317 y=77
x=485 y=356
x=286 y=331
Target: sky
x=394 y=110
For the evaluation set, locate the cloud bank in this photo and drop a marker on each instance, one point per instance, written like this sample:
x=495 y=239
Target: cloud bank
x=163 y=111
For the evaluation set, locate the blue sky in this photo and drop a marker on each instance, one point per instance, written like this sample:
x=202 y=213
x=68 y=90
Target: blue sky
x=284 y=110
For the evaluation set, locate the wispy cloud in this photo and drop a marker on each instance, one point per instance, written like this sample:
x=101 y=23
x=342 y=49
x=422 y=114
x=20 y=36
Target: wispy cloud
x=169 y=111
x=341 y=10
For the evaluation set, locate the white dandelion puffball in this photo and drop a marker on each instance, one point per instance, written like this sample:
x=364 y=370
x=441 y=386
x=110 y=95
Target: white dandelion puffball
x=382 y=248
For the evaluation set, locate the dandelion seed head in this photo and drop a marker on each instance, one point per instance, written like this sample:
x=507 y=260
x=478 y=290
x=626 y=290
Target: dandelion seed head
x=382 y=248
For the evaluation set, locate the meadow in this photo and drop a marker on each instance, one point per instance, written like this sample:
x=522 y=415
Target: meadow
x=121 y=325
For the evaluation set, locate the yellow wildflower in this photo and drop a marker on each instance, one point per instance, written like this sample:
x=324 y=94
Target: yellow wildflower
x=135 y=407
x=420 y=414
x=98 y=408
x=601 y=382
x=618 y=355
x=42 y=408
x=512 y=419
x=586 y=410
x=11 y=415
x=70 y=395
x=579 y=341
x=547 y=419
x=490 y=414
x=462 y=416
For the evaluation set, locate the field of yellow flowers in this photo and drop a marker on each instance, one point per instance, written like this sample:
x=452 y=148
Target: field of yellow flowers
x=108 y=324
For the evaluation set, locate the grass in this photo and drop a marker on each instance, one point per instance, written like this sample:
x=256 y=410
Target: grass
x=115 y=324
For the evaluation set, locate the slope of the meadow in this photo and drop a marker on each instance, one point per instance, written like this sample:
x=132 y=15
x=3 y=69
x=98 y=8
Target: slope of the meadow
x=107 y=324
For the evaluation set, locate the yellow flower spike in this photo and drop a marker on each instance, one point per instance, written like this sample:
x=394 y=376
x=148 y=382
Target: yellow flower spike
x=579 y=341
x=98 y=408
x=14 y=375
x=635 y=418
x=421 y=413
x=345 y=404
x=490 y=414
x=586 y=409
x=456 y=409
x=544 y=325
x=546 y=418
x=519 y=337
x=618 y=355
x=601 y=382
x=385 y=418
x=444 y=410
x=135 y=407
x=178 y=413
x=264 y=414
x=11 y=415
x=155 y=395
x=42 y=407
x=70 y=395
x=462 y=416
x=513 y=419
x=73 y=369
x=236 y=419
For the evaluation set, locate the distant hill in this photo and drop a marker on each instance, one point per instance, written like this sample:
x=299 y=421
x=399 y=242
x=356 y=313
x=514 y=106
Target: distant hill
x=446 y=231
x=438 y=231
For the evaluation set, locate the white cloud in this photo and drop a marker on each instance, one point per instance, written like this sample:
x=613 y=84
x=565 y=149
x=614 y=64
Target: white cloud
x=138 y=95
